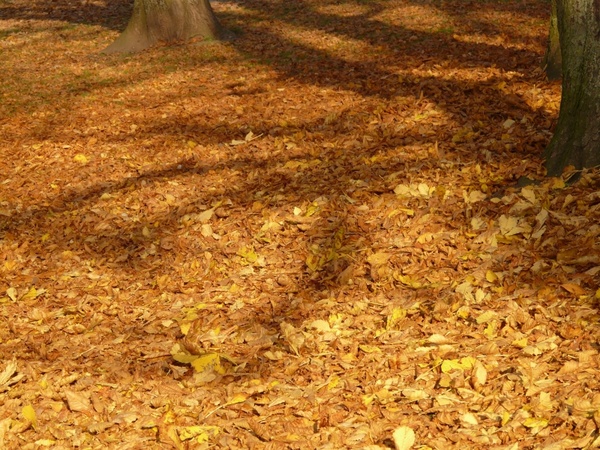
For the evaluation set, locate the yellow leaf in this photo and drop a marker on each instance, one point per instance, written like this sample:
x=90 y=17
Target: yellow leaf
x=208 y=362
x=248 y=254
x=368 y=399
x=237 y=398
x=181 y=355
x=535 y=422
x=404 y=438
x=558 y=183
x=202 y=433
x=32 y=293
x=80 y=158
x=333 y=382
x=448 y=365
x=520 y=343
x=397 y=315
x=369 y=349
x=463 y=312
x=491 y=276
x=45 y=237
x=312 y=209
x=407 y=211
x=407 y=280
x=29 y=414
x=491 y=330
x=424 y=238
x=467 y=362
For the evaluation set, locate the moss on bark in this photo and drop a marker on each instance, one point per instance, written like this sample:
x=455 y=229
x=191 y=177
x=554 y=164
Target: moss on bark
x=552 y=60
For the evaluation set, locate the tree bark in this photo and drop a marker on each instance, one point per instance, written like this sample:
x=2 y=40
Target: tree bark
x=154 y=21
x=552 y=60
x=576 y=140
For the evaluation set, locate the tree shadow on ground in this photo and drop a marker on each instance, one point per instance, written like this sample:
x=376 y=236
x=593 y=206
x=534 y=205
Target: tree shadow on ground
x=314 y=66
x=112 y=14
x=304 y=64
x=404 y=49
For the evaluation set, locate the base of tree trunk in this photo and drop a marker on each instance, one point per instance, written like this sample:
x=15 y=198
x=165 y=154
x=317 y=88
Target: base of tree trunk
x=155 y=21
x=576 y=140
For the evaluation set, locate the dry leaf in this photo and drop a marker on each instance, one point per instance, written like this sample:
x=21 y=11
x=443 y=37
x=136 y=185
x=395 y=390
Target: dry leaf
x=77 y=401
x=404 y=438
x=378 y=259
x=29 y=414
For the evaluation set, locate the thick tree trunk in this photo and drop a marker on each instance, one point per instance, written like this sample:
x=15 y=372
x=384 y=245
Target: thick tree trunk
x=552 y=60
x=576 y=139
x=156 y=21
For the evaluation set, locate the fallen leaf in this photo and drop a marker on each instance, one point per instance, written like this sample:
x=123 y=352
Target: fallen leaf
x=29 y=414
x=404 y=438
x=77 y=401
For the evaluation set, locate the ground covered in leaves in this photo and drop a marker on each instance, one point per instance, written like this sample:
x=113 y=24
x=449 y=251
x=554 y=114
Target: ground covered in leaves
x=312 y=236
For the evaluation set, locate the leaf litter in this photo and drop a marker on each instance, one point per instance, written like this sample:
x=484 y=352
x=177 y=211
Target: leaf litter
x=310 y=237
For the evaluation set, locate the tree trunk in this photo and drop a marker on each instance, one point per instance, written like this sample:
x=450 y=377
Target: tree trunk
x=156 y=21
x=576 y=140
x=552 y=60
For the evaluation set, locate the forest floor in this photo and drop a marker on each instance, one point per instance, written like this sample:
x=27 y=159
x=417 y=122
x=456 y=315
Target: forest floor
x=312 y=236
